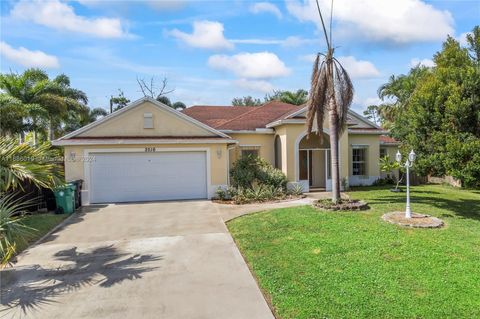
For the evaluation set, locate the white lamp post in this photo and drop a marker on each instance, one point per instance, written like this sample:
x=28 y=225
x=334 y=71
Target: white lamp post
x=408 y=164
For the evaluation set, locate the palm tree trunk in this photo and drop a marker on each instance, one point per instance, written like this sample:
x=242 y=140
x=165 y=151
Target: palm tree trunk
x=335 y=167
x=51 y=130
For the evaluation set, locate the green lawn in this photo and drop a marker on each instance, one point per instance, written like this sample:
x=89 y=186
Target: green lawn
x=315 y=264
x=42 y=223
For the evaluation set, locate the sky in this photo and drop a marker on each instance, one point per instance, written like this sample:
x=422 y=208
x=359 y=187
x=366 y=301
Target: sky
x=213 y=51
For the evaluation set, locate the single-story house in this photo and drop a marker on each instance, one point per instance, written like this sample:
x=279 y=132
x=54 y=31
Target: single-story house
x=149 y=151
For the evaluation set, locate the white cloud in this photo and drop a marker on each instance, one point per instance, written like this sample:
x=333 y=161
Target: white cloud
x=59 y=15
x=355 y=68
x=260 y=7
x=261 y=65
x=358 y=68
x=307 y=57
x=206 y=35
x=372 y=101
x=255 y=85
x=399 y=21
x=462 y=39
x=27 y=57
x=161 y=5
x=424 y=62
x=292 y=41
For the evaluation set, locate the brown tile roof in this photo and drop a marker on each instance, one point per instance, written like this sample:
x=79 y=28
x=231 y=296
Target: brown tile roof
x=388 y=140
x=214 y=116
x=240 y=117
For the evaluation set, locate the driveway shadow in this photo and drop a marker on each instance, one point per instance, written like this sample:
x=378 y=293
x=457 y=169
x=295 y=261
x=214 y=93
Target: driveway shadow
x=77 y=217
x=25 y=290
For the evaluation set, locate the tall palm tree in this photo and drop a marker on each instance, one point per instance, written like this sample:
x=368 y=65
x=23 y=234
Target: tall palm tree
x=35 y=90
x=397 y=91
x=82 y=116
x=331 y=92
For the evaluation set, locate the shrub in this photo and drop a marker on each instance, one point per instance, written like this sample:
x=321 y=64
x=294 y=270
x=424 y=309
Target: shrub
x=296 y=190
x=272 y=177
x=221 y=193
x=251 y=170
x=384 y=181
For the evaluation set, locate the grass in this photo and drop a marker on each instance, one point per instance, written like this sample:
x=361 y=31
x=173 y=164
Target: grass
x=318 y=264
x=42 y=223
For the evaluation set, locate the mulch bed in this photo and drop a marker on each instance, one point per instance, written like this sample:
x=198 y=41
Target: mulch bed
x=287 y=198
x=417 y=220
x=343 y=204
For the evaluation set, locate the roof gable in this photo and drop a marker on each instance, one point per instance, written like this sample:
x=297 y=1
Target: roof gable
x=129 y=122
x=354 y=119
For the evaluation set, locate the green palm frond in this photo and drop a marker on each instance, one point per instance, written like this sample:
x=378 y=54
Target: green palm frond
x=21 y=163
x=12 y=229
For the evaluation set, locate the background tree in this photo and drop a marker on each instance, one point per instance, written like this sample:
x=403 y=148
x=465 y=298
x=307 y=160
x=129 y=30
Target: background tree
x=35 y=90
x=118 y=102
x=13 y=115
x=81 y=117
x=149 y=88
x=437 y=112
x=298 y=97
x=246 y=101
x=179 y=105
x=165 y=100
x=372 y=113
x=331 y=93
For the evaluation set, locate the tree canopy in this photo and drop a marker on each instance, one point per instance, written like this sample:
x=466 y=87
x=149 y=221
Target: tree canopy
x=298 y=97
x=436 y=111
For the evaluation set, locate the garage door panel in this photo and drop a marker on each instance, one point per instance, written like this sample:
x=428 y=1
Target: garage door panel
x=123 y=177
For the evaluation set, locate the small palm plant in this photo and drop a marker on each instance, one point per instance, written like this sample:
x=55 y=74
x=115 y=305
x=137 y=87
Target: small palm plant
x=21 y=163
x=12 y=228
x=331 y=92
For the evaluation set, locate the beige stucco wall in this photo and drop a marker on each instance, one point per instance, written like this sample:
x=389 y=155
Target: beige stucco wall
x=372 y=142
x=130 y=123
x=74 y=168
x=264 y=141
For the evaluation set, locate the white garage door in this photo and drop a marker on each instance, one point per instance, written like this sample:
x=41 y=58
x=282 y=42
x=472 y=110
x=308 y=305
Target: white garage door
x=128 y=177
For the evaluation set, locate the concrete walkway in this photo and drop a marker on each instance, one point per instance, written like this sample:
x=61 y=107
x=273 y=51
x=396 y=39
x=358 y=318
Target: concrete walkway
x=146 y=260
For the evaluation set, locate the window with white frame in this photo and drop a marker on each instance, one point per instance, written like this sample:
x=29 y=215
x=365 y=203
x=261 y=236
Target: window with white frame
x=253 y=150
x=359 y=160
x=383 y=152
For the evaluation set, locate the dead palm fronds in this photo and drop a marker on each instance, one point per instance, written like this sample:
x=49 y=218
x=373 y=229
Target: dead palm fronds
x=331 y=93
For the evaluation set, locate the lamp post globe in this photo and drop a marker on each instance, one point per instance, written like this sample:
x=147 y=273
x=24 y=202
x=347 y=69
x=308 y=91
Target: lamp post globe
x=398 y=156
x=412 y=156
x=408 y=164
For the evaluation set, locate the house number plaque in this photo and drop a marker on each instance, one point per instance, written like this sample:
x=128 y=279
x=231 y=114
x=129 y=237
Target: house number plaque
x=149 y=149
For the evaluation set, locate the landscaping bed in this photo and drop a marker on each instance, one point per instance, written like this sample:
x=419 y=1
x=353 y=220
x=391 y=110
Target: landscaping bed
x=322 y=264
x=342 y=204
x=285 y=198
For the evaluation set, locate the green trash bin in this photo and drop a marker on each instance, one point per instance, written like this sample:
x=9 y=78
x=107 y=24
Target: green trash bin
x=65 y=198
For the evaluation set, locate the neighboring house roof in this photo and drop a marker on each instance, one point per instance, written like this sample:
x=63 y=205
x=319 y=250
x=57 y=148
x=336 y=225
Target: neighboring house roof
x=239 y=118
x=387 y=140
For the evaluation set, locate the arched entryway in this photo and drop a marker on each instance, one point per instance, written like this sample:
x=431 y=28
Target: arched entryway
x=314 y=161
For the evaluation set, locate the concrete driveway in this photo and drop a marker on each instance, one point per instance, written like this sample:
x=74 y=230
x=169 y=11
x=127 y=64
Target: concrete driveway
x=146 y=260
